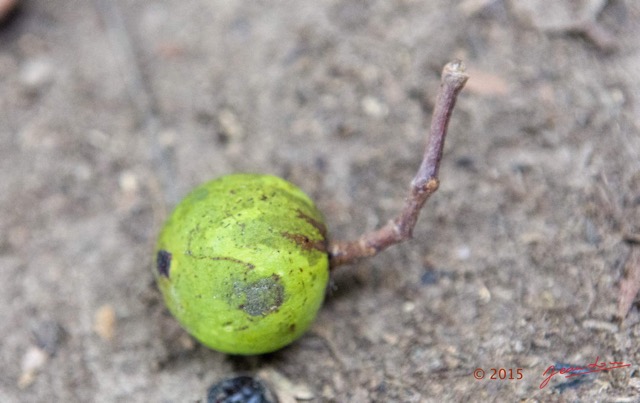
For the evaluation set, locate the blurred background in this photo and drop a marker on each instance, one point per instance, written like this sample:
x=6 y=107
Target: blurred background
x=527 y=256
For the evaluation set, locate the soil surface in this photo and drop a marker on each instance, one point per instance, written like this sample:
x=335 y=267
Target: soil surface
x=112 y=110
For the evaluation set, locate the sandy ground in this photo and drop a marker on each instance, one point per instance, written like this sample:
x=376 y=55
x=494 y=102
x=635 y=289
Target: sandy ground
x=110 y=111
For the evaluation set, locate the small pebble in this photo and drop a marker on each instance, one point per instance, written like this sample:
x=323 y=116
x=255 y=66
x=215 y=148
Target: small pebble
x=463 y=252
x=104 y=323
x=128 y=182
x=230 y=125
x=484 y=295
x=408 y=307
x=32 y=361
x=374 y=108
x=287 y=390
x=600 y=325
x=36 y=73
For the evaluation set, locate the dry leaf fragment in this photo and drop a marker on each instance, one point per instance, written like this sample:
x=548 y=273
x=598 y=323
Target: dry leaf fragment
x=630 y=284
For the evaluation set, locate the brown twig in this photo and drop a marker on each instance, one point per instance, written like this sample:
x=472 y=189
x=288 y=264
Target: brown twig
x=424 y=184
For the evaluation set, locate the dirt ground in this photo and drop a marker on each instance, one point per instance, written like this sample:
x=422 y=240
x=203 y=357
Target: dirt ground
x=111 y=110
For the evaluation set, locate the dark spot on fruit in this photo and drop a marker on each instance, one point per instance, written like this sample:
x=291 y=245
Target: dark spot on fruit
x=238 y=390
x=292 y=328
x=305 y=243
x=163 y=262
x=260 y=297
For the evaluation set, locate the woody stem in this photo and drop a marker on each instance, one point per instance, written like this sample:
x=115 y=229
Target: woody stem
x=423 y=185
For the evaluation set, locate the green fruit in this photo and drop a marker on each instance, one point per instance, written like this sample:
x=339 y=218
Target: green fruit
x=242 y=263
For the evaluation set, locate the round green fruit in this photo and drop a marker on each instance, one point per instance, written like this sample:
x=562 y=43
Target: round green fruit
x=242 y=263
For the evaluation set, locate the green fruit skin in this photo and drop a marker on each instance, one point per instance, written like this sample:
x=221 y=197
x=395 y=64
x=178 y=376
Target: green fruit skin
x=242 y=263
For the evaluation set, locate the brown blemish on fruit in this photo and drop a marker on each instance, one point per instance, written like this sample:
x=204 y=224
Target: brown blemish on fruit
x=163 y=263
x=322 y=229
x=305 y=243
x=249 y=266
